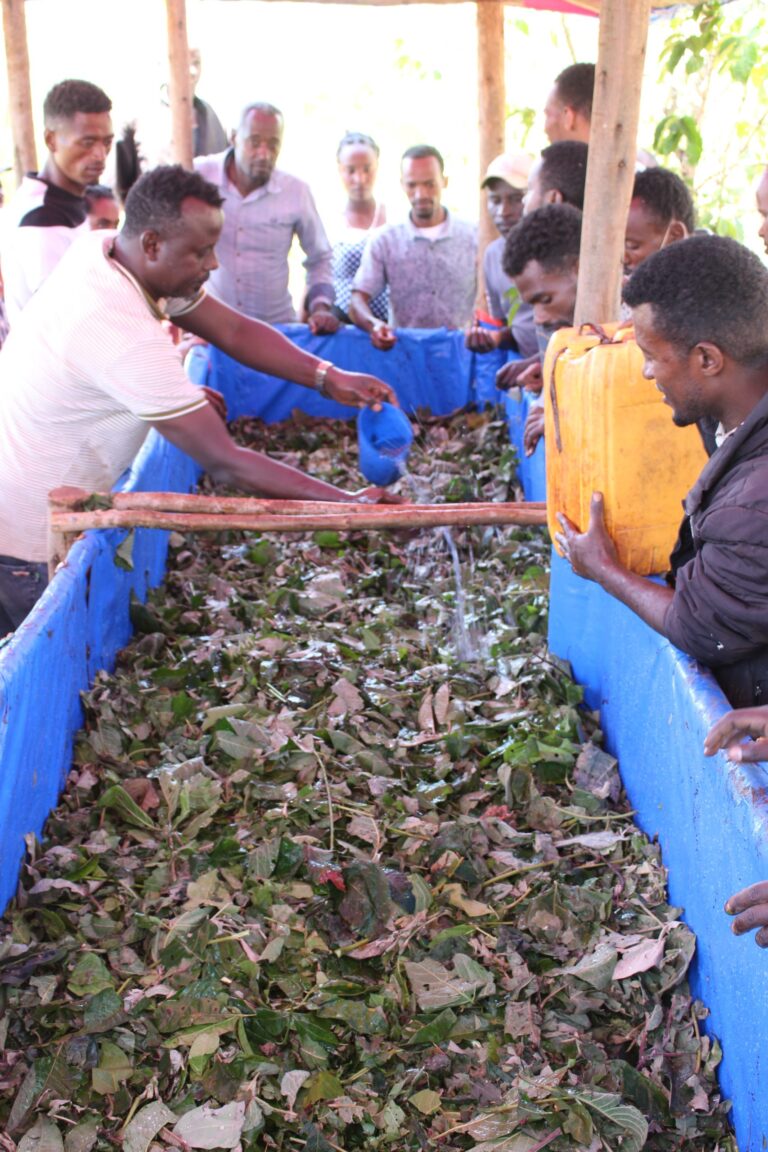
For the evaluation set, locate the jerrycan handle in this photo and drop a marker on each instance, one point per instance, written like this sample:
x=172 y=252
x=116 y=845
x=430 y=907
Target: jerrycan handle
x=625 y=331
x=604 y=338
x=597 y=329
x=553 y=399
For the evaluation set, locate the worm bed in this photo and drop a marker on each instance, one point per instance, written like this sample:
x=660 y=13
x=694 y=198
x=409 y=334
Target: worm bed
x=655 y=705
x=340 y=865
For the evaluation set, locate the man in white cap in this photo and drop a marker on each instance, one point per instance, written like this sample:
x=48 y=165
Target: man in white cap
x=505 y=183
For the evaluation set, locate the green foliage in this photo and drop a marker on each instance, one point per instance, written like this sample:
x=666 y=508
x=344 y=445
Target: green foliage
x=523 y=120
x=670 y=134
x=713 y=130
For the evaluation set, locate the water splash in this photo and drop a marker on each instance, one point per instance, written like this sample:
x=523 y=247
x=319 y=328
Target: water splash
x=468 y=642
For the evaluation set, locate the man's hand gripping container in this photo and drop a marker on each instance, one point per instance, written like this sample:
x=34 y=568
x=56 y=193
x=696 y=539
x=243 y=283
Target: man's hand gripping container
x=608 y=430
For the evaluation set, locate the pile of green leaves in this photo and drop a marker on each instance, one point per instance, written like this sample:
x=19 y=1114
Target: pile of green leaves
x=317 y=881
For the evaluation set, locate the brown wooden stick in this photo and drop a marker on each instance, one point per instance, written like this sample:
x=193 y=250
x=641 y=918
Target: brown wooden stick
x=73 y=500
x=388 y=516
x=181 y=502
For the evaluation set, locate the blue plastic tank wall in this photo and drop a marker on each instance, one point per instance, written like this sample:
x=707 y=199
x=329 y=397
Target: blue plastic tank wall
x=76 y=628
x=710 y=816
x=427 y=369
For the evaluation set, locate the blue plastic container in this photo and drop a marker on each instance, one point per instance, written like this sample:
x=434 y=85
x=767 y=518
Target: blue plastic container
x=384 y=440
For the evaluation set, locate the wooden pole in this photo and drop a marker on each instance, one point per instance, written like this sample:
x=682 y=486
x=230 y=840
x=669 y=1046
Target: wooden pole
x=76 y=500
x=205 y=514
x=491 y=104
x=391 y=516
x=612 y=155
x=179 y=83
x=19 y=89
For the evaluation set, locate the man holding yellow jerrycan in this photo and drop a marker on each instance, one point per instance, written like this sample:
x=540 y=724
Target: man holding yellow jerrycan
x=700 y=313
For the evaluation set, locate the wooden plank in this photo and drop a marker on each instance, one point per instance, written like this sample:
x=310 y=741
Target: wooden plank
x=19 y=89
x=612 y=153
x=179 y=83
x=186 y=512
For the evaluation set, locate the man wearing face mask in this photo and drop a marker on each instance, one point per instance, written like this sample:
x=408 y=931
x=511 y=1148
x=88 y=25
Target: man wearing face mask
x=661 y=212
x=542 y=257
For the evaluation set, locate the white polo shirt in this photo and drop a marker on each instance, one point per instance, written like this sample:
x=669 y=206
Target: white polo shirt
x=41 y=223
x=85 y=371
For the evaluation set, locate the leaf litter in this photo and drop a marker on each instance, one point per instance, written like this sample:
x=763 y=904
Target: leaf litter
x=336 y=870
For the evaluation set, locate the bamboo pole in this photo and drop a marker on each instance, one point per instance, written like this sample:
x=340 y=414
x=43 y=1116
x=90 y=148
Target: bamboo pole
x=612 y=154
x=179 y=83
x=491 y=106
x=19 y=89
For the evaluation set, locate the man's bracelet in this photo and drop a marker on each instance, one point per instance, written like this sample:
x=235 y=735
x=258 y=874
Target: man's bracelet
x=322 y=370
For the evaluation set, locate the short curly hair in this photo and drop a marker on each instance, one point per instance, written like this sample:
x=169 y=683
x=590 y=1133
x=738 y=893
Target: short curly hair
x=156 y=198
x=69 y=97
x=666 y=196
x=564 y=170
x=550 y=235
x=575 y=85
x=709 y=289
x=423 y=152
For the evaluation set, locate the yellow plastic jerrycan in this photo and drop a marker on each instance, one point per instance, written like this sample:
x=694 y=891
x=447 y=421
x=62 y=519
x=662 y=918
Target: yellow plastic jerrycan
x=608 y=430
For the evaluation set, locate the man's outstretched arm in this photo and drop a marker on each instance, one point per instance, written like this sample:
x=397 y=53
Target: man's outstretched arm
x=203 y=435
x=258 y=345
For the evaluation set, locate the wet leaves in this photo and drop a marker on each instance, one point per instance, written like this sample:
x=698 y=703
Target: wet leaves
x=336 y=869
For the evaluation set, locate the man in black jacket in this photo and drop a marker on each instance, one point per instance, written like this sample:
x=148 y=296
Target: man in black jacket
x=700 y=311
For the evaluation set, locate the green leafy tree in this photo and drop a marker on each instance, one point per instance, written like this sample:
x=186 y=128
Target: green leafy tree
x=714 y=126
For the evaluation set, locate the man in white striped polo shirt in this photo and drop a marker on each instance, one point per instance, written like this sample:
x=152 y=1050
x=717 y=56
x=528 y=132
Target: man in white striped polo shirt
x=88 y=370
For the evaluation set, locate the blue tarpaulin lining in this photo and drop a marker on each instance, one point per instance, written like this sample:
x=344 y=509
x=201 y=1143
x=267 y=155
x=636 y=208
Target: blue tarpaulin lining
x=427 y=369
x=710 y=817
x=75 y=629
x=656 y=705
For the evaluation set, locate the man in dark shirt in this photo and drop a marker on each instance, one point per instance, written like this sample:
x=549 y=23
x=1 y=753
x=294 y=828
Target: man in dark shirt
x=48 y=210
x=700 y=311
